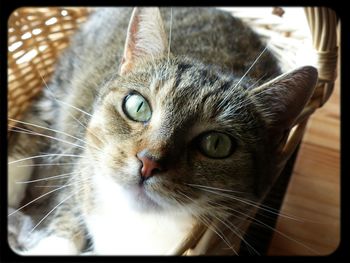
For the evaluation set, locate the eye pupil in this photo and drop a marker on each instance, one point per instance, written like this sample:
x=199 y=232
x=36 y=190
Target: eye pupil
x=217 y=143
x=138 y=109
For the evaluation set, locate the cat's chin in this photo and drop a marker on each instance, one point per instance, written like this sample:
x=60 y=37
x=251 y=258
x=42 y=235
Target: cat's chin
x=142 y=200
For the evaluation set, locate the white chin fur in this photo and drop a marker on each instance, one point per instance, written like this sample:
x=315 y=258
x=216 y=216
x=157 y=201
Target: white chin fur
x=17 y=172
x=117 y=228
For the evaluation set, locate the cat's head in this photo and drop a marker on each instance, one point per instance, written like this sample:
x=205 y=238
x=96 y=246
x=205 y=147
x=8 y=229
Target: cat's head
x=173 y=131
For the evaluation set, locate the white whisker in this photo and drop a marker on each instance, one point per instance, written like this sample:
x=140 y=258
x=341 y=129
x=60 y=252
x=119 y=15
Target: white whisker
x=218 y=232
x=249 y=202
x=256 y=82
x=212 y=227
x=170 y=30
x=244 y=103
x=59 y=101
x=214 y=188
x=53 y=95
x=271 y=228
x=45 y=164
x=87 y=128
x=255 y=61
x=20 y=130
x=37 y=199
x=48 y=178
x=47 y=186
x=229 y=226
x=45 y=155
x=49 y=129
x=53 y=209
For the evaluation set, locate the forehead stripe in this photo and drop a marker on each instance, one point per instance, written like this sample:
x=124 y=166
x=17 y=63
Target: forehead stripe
x=224 y=87
x=181 y=69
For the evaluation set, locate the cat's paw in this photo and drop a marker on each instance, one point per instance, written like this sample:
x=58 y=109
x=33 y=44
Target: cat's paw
x=17 y=172
x=52 y=245
x=88 y=253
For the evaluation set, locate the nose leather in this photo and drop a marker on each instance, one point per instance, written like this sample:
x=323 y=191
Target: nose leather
x=150 y=165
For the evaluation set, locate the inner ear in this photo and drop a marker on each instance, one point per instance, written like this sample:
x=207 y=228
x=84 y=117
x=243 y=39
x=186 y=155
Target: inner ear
x=146 y=38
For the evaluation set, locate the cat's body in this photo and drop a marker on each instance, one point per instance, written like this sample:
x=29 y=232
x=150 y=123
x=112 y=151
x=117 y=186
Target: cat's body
x=200 y=87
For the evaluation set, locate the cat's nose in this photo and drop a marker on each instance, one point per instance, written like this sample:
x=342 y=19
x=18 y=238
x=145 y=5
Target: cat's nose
x=150 y=165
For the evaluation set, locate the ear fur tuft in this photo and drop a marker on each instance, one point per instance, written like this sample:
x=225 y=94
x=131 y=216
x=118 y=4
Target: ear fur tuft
x=145 y=37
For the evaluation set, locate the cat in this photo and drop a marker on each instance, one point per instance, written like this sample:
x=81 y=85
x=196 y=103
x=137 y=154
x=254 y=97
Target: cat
x=154 y=120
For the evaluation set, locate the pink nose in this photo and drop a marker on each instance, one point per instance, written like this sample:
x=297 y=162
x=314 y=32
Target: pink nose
x=149 y=165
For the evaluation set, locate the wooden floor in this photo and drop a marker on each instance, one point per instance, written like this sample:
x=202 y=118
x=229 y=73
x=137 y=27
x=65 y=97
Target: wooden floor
x=313 y=194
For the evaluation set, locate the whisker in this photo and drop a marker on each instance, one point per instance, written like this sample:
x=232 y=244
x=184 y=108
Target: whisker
x=232 y=191
x=211 y=226
x=108 y=82
x=245 y=201
x=53 y=209
x=19 y=130
x=170 y=30
x=45 y=128
x=229 y=226
x=214 y=188
x=48 y=178
x=269 y=227
x=255 y=61
x=154 y=64
x=244 y=103
x=45 y=164
x=219 y=233
x=89 y=130
x=59 y=204
x=59 y=101
x=67 y=104
x=45 y=155
x=38 y=199
x=47 y=186
x=49 y=129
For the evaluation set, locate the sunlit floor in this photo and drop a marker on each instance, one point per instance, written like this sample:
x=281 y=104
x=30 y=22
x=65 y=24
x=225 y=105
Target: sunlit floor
x=314 y=191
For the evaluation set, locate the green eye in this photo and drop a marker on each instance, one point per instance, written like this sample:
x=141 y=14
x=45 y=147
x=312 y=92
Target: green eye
x=137 y=108
x=216 y=145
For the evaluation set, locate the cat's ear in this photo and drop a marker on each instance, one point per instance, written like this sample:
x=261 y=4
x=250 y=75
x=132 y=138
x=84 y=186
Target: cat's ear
x=145 y=37
x=282 y=99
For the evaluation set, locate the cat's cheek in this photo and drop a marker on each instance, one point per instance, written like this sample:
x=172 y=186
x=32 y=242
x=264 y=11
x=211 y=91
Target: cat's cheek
x=126 y=172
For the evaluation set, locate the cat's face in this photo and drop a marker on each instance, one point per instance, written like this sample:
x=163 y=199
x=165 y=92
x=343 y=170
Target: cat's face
x=171 y=131
x=190 y=120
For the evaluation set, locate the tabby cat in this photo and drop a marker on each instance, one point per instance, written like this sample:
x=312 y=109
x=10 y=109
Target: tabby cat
x=154 y=120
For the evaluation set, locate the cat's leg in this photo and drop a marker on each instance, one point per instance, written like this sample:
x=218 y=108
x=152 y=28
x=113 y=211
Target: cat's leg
x=64 y=232
x=24 y=242
x=53 y=245
x=69 y=241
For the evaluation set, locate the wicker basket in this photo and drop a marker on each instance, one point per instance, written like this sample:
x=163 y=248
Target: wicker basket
x=36 y=36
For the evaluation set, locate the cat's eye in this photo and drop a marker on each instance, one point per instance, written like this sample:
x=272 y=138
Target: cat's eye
x=137 y=108
x=215 y=144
